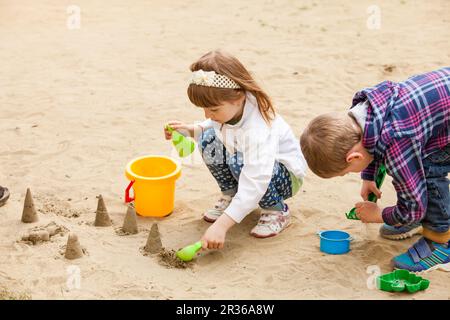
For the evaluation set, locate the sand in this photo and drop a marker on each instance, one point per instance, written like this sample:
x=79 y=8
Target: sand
x=29 y=214
x=154 y=243
x=130 y=225
x=102 y=218
x=77 y=105
x=169 y=259
x=39 y=234
x=73 y=248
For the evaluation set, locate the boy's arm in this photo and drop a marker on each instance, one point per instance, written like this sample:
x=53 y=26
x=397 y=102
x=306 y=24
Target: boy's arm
x=403 y=158
x=370 y=172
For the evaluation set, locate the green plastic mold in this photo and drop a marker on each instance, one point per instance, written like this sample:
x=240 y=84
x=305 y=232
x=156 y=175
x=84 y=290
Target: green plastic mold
x=184 y=145
x=381 y=174
x=402 y=280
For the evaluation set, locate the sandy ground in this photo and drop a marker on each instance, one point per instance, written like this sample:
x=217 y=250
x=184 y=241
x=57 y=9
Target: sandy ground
x=77 y=105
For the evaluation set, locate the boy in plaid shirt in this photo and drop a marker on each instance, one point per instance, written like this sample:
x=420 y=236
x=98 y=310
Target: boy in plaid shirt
x=404 y=126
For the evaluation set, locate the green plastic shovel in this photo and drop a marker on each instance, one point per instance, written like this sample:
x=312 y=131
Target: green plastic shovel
x=381 y=174
x=188 y=253
x=184 y=145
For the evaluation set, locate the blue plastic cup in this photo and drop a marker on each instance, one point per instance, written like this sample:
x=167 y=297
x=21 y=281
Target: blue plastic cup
x=334 y=241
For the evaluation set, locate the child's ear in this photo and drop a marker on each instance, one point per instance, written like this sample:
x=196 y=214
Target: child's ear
x=354 y=155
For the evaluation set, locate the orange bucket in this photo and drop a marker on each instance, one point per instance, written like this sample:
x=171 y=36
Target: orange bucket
x=153 y=181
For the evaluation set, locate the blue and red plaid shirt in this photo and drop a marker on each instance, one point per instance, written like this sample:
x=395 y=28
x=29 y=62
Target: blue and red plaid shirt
x=406 y=122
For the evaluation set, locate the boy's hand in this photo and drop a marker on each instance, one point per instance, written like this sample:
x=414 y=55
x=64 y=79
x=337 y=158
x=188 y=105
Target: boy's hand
x=369 y=212
x=184 y=129
x=367 y=188
x=214 y=237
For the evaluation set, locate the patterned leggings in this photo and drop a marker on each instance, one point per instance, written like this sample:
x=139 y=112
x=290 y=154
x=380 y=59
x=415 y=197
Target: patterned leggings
x=226 y=169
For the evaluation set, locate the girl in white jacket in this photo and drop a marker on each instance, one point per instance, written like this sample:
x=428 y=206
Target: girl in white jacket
x=249 y=149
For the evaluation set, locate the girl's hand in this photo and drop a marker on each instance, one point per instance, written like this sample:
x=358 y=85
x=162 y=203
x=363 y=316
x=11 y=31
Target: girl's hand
x=214 y=237
x=369 y=212
x=369 y=187
x=184 y=129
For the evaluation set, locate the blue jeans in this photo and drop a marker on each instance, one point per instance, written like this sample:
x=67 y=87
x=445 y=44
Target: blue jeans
x=436 y=167
x=226 y=169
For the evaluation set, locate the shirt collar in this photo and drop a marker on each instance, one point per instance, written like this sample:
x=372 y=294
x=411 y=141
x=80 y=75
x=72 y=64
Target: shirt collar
x=250 y=101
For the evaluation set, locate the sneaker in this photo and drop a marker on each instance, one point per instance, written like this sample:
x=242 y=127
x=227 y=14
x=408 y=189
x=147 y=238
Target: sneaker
x=400 y=233
x=424 y=256
x=213 y=214
x=271 y=223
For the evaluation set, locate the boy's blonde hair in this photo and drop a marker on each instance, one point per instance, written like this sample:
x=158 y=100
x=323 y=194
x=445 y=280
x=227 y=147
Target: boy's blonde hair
x=326 y=141
x=225 y=64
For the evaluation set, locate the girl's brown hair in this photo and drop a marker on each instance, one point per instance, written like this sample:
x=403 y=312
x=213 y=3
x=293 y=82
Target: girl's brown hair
x=225 y=64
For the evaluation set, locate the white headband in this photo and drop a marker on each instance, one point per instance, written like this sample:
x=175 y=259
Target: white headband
x=212 y=79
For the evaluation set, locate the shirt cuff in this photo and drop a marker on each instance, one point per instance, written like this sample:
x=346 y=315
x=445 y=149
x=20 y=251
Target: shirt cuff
x=389 y=216
x=367 y=176
x=235 y=213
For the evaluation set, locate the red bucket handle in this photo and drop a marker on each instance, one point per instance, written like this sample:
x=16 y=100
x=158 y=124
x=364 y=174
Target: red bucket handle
x=127 y=193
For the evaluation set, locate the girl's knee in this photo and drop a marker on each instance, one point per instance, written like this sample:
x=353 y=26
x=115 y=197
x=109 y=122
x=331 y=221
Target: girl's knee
x=211 y=148
x=208 y=136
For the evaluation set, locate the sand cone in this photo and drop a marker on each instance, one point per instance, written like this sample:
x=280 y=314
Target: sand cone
x=102 y=218
x=130 y=222
x=29 y=213
x=154 y=244
x=73 y=248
